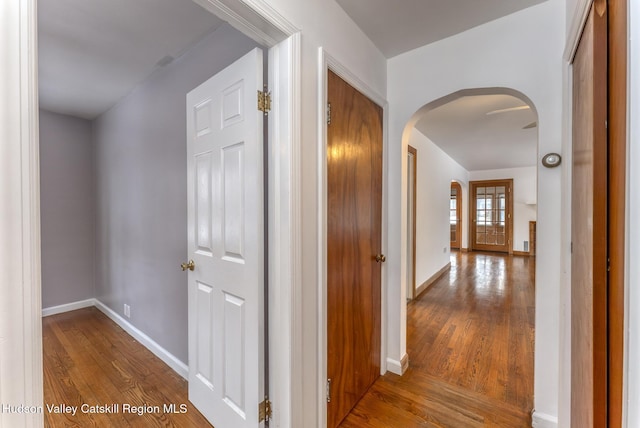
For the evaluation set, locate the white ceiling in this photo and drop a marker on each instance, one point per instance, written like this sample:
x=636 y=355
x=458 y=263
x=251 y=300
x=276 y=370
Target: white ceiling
x=399 y=26
x=460 y=127
x=93 y=52
x=481 y=141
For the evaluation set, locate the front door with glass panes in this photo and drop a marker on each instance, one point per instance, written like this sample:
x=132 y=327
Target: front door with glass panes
x=491 y=213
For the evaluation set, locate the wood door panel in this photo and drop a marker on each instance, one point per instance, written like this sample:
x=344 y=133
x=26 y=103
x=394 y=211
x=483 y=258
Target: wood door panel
x=589 y=225
x=354 y=223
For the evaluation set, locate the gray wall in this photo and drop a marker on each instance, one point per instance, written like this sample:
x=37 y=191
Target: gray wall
x=141 y=182
x=67 y=207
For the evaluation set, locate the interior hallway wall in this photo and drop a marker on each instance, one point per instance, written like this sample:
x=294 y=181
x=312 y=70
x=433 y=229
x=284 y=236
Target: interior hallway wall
x=67 y=204
x=435 y=172
x=141 y=188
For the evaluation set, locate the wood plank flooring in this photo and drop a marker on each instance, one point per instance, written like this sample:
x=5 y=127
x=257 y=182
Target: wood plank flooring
x=90 y=360
x=470 y=340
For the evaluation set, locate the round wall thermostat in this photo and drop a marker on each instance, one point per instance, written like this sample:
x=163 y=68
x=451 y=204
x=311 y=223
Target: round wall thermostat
x=551 y=160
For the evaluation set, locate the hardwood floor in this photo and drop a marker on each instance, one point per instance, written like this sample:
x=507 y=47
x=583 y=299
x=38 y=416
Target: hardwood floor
x=470 y=340
x=90 y=360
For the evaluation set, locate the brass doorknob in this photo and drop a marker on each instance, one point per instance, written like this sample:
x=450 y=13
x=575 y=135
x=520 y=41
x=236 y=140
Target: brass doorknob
x=380 y=258
x=190 y=265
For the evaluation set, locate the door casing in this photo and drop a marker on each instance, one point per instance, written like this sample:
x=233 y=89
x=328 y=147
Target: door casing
x=472 y=211
x=458 y=242
x=412 y=200
x=256 y=19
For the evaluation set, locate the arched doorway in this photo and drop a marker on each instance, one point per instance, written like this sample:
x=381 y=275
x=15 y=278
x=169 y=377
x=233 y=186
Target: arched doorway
x=474 y=276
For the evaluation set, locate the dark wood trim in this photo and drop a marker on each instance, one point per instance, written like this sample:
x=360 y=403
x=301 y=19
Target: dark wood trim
x=414 y=152
x=617 y=120
x=464 y=250
x=507 y=182
x=589 y=290
x=600 y=220
x=532 y=238
x=521 y=253
x=433 y=278
x=404 y=363
x=458 y=243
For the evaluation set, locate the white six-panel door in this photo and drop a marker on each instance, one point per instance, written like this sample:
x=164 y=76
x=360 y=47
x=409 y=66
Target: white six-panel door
x=225 y=240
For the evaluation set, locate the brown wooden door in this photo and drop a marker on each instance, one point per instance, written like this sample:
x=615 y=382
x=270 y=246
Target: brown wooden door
x=491 y=207
x=589 y=225
x=354 y=224
x=455 y=218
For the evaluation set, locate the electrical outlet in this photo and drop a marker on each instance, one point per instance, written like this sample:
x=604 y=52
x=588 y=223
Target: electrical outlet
x=444 y=249
x=127 y=310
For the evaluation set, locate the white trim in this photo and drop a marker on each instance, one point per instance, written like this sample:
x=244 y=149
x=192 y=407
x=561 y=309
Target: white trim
x=575 y=31
x=284 y=226
x=541 y=420
x=21 y=380
x=255 y=18
x=260 y=21
x=178 y=366
x=67 y=307
x=326 y=62
x=398 y=367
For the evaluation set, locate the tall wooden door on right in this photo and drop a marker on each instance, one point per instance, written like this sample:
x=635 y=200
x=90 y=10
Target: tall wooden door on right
x=589 y=225
x=354 y=225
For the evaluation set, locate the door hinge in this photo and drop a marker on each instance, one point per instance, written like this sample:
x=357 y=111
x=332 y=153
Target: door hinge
x=264 y=101
x=328 y=113
x=328 y=390
x=264 y=410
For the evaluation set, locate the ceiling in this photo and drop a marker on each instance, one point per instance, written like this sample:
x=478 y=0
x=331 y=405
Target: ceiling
x=94 y=52
x=399 y=26
x=480 y=141
x=460 y=127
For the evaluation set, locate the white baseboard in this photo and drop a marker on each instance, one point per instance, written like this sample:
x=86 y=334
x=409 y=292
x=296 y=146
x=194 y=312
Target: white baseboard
x=178 y=366
x=398 y=367
x=541 y=420
x=53 y=310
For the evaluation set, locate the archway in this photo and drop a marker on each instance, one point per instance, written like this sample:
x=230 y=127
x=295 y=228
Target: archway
x=439 y=172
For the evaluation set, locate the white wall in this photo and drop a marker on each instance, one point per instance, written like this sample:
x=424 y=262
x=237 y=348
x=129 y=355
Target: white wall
x=522 y=51
x=433 y=189
x=141 y=192
x=524 y=198
x=67 y=206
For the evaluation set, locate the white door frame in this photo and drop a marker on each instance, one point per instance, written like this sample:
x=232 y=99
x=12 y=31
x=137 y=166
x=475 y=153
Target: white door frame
x=21 y=379
x=327 y=62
